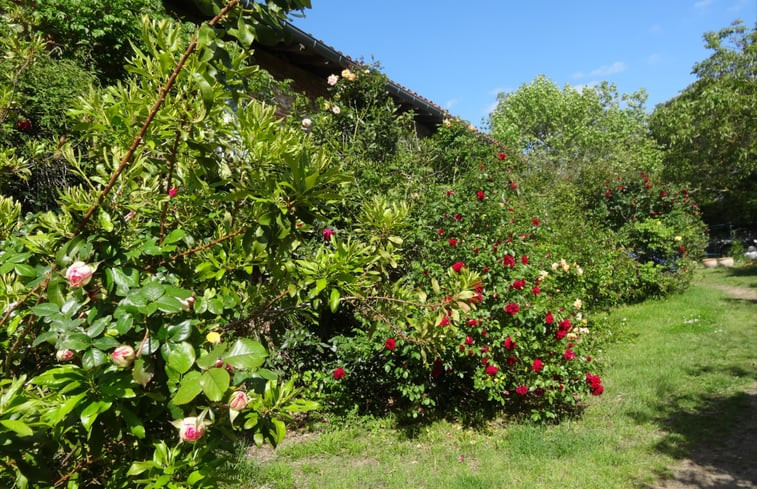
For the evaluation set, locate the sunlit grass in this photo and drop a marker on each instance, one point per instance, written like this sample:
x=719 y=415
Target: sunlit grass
x=676 y=378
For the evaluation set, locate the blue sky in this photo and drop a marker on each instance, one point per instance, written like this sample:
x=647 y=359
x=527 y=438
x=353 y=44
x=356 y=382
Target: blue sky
x=461 y=54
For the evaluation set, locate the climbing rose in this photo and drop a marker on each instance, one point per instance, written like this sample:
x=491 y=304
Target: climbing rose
x=518 y=284
x=238 y=400
x=501 y=156
x=510 y=344
x=444 y=321
x=191 y=430
x=538 y=365
x=78 y=274
x=549 y=319
x=328 y=233
x=491 y=370
x=512 y=309
x=535 y=221
x=457 y=266
x=332 y=79
x=524 y=260
x=453 y=242
x=536 y=290
x=480 y=195
x=123 y=356
x=521 y=390
x=390 y=344
x=173 y=192
x=569 y=354
x=508 y=261
x=468 y=340
x=339 y=373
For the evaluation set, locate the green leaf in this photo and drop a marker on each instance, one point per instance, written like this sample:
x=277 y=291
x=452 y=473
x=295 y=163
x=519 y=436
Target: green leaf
x=279 y=431
x=25 y=270
x=143 y=371
x=92 y=411
x=45 y=309
x=135 y=425
x=334 y=300
x=169 y=304
x=122 y=279
x=189 y=388
x=105 y=221
x=19 y=427
x=75 y=341
x=214 y=383
x=245 y=354
x=153 y=291
x=137 y=468
x=94 y=357
x=181 y=357
x=180 y=332
x=174 y=236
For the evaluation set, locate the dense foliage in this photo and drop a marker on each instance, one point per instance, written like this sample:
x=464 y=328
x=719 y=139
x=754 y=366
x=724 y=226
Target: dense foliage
x=200 y=267
x=708 y=130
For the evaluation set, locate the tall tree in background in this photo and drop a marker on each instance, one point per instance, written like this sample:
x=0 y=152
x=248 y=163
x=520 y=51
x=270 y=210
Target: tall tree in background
x=708 y=130
x=587 y=135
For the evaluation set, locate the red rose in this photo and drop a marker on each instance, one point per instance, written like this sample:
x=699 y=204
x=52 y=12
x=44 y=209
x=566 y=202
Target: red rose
x=511 y=360
x=458 y=217
x=501 y=156
x=549 y=319
x=339 y=373
x=518 y=284
x=512 y=309
x=457 y=266
x=510 y=343
x=444 y=321
x=453 y=242
x=440 y=232
x=524 y=260
x=598 y=390
x=390 y=344
x=569 y=354
x=468 y=340
x=328 y=233
x=480 y=195
x=537 y=366
x=513 y=185
x=491 y=370
x=472 y=322
x=437 y=370
x=536 y=290
x=508 y=261
x=535 y=221
x=521 y=390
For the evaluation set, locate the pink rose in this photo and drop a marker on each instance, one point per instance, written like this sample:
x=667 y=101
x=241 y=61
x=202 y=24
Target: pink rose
x=173 y=192
x=64 y=355
x=122 y=356
x=191 y=430
x=78 y=274
x=328 y=233
x=188 y=303
x=238 y=400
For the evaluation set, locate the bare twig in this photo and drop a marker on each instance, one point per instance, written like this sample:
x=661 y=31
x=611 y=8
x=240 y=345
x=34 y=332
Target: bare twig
x=201 y=247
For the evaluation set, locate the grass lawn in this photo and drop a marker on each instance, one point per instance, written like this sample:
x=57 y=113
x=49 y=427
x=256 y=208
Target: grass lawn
x=680 y=374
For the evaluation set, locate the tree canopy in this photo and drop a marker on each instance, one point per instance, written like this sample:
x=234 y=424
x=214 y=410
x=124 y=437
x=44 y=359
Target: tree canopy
x=708 y=131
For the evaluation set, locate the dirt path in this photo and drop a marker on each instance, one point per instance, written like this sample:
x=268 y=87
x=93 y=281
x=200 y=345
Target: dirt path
x=734 y=464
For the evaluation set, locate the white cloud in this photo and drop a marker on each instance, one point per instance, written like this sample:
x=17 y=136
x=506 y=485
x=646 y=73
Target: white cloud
x=582 y=86
x=492 y=107
x=654 y=58
x=703 y=4
x=604 y=70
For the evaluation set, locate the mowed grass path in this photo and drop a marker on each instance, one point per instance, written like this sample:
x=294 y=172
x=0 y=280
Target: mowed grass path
x=679 y=374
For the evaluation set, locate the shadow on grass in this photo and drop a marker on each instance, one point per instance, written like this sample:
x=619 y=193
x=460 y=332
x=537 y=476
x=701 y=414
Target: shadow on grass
x=718 y=437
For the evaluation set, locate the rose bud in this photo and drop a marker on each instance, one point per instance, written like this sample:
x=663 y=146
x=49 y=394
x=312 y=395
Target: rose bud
x=238 y=400
x=122 y=356
x=191 y=430
x=78 y=274
x=64 y=355
x=188 y=303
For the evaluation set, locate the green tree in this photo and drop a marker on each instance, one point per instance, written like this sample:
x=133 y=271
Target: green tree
x=587 y=135
x=708 y=130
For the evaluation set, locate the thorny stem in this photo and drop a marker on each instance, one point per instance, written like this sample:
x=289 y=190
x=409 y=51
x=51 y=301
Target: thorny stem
x=153 y=112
